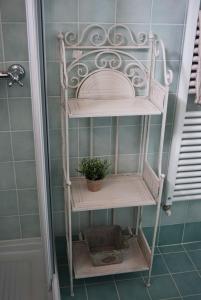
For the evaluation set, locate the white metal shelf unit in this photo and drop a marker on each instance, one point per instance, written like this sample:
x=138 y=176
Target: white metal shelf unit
x=107 y=86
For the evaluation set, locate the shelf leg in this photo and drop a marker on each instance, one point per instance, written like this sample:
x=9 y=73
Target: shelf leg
x=153 y=243
x=70 y=256
x=138 y=220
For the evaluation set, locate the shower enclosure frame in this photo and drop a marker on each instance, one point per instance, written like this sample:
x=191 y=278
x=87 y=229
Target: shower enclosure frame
x=38 y=95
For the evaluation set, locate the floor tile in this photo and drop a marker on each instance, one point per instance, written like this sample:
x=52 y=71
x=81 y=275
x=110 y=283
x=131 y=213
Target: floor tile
x=171 y=234
x=194 y=297
x=162 y=287
x=192 y=246
x=132 y=289
x=79 y=293
x=64 y=279
x=196 y=258
x=106 y=291
x=124 y=276
x=171 y=248
x=60 y=244
x=159 y=266
x=178 y=262
x=99 y=279
x=189 y=283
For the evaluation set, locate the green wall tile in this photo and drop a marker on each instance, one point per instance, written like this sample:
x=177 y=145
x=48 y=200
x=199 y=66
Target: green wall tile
x=192 y=232
x=5 y=147
x=128 y=163
x=102 y=138
x=162 y=11
x=84 y=142
x=58 y=223
x=4 y=119
x=30 y=226
x=178 y=216
x=13 y=13
x=57 y=198
x=194 y=211
x=170 y=35
x=53 y=80
x=23 y=145
x=54 y=113
x=133 y=11
x=129 y=140
x=25 y=174
x=96 y=11
x=171 y=234
x=8 y=203
x=3 y=83
x=28 y=201
x=55 y=143
x=7 y=180
x=15 y=42
x=56 y=172
x=20 y=114
x=9 y=228
x=61 y=10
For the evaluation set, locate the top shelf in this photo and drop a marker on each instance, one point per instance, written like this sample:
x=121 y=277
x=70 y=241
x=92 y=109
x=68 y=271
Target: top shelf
x=82 y=108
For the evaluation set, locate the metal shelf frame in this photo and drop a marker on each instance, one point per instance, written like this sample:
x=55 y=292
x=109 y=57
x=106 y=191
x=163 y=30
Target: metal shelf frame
x=108 y=49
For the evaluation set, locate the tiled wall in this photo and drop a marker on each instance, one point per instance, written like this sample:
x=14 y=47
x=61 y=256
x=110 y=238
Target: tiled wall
x=18 y=196
x=140 y=15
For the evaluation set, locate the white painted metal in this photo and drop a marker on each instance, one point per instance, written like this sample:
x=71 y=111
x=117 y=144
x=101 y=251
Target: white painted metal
x=35 y=81
x=117 y=191
x=193 y=10
x=195 y=78
x=108 y=49
x=22 y=270
x=136 y=258
x=188 y=177
x=127 y=107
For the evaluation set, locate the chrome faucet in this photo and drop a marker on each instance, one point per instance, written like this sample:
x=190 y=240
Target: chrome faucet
x=15 y=75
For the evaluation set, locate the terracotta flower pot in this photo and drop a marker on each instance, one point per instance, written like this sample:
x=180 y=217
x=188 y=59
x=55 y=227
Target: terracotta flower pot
x=94 y=185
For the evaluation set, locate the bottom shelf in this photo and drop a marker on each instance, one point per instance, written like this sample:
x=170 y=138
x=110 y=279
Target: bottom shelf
x=136 y=258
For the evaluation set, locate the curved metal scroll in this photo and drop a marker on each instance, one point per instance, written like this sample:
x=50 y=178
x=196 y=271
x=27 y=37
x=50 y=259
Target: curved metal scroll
x=96 y=36
x=168 y=74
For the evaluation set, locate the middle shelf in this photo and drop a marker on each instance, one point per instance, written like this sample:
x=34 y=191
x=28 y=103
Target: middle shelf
x=117 y=191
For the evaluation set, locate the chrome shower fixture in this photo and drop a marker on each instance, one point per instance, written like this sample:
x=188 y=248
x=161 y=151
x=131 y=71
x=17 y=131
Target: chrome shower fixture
x=15 y=75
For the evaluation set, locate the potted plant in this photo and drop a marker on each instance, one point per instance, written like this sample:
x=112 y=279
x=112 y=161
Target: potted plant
x=94 y=170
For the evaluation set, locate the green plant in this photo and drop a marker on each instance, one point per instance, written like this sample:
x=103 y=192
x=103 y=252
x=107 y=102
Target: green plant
x=94 y=168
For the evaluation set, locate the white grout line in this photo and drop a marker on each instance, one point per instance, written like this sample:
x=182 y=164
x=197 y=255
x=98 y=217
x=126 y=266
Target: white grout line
x=118 y=296
x=86 y=292
x=151 y=16
x=194 y=265
x=11 y=140
x=164 y=261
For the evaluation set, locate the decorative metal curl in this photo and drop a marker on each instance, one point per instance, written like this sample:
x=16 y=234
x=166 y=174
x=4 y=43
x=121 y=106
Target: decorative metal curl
x=137 y=76
x=96 y=35
x=102 y=61
x=118 y=38
x=167 y=73
x=81 y=71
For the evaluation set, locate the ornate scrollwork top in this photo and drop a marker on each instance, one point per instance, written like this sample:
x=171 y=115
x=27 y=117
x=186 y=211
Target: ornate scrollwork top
x=96 y=35
x=79 y=69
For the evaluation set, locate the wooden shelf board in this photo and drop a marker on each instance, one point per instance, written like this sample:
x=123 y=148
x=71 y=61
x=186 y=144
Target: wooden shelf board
x=134 y=261
x=117 y=191
x=82 y=108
